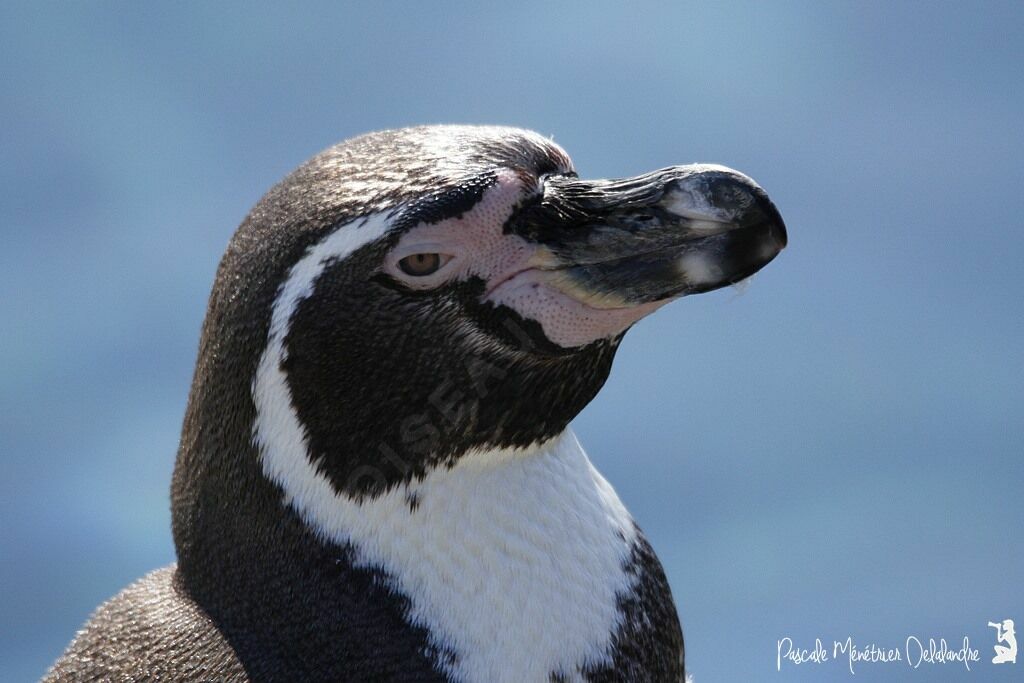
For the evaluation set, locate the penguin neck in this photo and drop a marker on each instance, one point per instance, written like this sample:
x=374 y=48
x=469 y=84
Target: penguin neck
x=506 y=560
x=484 y=492
x=487 y=549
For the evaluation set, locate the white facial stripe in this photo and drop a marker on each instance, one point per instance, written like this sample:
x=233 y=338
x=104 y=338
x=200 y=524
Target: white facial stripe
x=277 y=430
x=299 y=285
x=513 y=559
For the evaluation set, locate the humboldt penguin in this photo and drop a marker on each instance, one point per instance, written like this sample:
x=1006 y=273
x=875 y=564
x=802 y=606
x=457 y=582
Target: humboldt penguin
x=376 y=479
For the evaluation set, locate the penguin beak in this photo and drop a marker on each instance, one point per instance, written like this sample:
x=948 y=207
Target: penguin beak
x=632 y=242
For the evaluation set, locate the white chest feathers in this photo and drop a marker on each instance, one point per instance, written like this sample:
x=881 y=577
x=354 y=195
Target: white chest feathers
x=513 y=560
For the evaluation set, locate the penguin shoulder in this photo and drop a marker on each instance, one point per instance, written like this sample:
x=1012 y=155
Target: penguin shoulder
x=152 y=630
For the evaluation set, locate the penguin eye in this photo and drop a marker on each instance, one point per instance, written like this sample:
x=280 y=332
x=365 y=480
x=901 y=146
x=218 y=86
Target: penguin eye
x=419 y=265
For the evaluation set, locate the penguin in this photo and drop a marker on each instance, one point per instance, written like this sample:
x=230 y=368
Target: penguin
x=376 y=479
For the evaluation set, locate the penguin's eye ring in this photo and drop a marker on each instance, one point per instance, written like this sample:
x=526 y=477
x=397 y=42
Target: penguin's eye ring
x=421 y=265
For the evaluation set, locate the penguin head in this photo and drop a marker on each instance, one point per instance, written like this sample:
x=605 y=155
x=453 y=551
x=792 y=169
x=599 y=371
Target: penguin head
x=410 y=297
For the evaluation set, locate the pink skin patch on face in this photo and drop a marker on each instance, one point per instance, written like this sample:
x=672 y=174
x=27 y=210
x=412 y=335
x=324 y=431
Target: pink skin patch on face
x=566 y=321
x=474 y=244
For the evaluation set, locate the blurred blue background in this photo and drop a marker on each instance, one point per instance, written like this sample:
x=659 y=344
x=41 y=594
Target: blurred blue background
x=834 y=450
